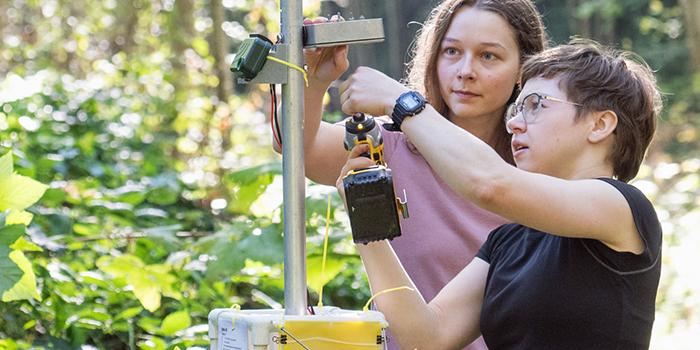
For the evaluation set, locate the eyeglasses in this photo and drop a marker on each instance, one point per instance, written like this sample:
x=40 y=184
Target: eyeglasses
x=529 y=107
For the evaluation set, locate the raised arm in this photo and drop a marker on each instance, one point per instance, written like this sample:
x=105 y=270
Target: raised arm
x=584 y=208
x=324 y=153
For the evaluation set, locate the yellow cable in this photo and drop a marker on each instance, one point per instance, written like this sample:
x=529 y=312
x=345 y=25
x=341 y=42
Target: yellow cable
x=325 y=250
x=291 y=65
x=331 y=340
x=366 y=307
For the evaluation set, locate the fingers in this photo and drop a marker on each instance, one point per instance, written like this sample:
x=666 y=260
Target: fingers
x=358 y=150
x=348 y=107
x=340 y=56
x=355 y=160
x=350 y=92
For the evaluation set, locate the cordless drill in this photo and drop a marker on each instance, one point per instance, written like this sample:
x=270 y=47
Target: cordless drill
x=372 y=205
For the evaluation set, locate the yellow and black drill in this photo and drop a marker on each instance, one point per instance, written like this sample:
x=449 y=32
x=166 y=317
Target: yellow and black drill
x=372 y=205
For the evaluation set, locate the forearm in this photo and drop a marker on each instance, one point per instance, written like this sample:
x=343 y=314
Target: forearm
x=411 y=320
x=466 y=163
x=324 y=153
x=313 y=113
x=323 y=142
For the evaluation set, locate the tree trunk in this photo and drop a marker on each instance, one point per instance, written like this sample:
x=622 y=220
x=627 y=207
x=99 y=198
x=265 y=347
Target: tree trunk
x=181 y=31
x=220 y=47
x=577 y=25
x=691 y=12
x=127 y=13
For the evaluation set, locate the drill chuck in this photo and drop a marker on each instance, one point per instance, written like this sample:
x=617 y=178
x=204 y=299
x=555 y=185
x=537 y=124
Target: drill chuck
x=364 y=129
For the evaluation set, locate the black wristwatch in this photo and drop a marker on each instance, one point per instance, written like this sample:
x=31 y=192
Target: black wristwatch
x=407 y=105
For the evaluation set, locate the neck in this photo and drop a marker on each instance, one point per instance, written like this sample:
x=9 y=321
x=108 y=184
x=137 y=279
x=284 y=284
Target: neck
x=591 y=164
x=593 y=172
x=483 y=127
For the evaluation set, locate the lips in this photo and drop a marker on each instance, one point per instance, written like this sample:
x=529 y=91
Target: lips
x=465 y=93
x=518 y=146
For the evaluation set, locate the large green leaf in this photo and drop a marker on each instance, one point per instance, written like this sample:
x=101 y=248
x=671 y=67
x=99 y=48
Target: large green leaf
x=6 y=165
x=229 y=260
x=245 y=195
x=163 y=195
x=266 y=247
x=9 y=234
x=148 y=282
x=232 y=247
x=175 y=322
x=249 y=175
x=249 y=184
x=314 y=265
x=145 y=289
x=18 y=192
x=10 y=273
x=26 y=287
x=20 y=217
x=25 y=246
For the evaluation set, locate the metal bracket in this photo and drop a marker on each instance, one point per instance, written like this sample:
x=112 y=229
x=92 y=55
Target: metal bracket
x=358 y=31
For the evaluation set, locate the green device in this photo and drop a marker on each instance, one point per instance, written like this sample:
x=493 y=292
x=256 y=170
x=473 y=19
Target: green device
x=251 y=56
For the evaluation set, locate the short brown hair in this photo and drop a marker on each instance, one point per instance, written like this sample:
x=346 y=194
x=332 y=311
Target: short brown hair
x=525 y=22
x=601 y=79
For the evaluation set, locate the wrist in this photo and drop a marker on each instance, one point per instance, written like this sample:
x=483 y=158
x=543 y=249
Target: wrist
x=319 y=83
x=389 y=106
x=315 y=91
x=407 y=105
x=407 y=122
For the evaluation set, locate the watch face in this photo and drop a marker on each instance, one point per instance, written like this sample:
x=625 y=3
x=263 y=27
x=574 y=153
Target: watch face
x=410 y=102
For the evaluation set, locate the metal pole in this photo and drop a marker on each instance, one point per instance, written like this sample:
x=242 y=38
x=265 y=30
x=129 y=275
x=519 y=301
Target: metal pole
x=293 y=164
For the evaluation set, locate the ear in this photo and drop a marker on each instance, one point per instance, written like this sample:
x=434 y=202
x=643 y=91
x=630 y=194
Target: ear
x=604 y=125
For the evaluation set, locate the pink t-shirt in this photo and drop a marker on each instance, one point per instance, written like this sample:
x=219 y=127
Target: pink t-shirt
x=444 y=231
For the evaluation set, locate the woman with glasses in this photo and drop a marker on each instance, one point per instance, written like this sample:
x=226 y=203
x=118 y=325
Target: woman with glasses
x=579 y=267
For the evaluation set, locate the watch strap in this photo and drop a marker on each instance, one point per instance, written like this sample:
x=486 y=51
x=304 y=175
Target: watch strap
x=399 y=113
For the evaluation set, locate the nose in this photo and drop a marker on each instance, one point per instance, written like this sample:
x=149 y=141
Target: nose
x=517 y=124
x=466 y=68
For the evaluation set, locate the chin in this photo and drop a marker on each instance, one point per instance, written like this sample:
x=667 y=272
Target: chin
x=524 y=166
x=462 y=112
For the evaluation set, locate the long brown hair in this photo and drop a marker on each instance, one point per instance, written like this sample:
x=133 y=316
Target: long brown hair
x=525 y=23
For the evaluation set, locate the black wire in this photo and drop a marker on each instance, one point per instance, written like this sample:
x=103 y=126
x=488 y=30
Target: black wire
x=277 y=124
x=309 y=307
x=272 y=113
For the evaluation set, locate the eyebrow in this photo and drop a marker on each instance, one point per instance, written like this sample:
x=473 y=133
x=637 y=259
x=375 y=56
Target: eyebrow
x=485 y=43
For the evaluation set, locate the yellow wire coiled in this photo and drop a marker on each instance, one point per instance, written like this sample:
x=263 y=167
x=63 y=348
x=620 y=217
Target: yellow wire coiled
x=291 y=65
x=366 y=307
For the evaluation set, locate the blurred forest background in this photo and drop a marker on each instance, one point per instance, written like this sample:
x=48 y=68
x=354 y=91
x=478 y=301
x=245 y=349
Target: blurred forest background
x=156 y=194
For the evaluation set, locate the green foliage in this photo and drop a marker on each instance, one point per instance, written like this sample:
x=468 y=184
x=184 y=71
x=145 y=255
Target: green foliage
x=142 y=227
x=17 y=280
x=162 y=202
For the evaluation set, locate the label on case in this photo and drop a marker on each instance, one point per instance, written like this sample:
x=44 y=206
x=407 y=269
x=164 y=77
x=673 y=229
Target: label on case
x=233 y=336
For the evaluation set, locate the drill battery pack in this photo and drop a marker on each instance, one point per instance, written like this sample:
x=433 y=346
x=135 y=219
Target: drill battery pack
x=372 y=204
